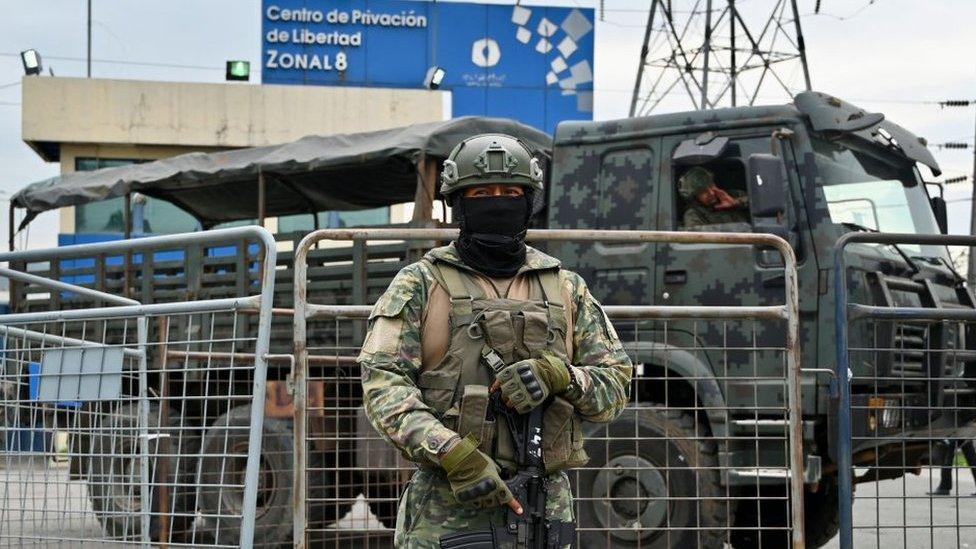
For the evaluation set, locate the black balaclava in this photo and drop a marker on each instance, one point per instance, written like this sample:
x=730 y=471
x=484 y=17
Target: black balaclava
x=492 y=238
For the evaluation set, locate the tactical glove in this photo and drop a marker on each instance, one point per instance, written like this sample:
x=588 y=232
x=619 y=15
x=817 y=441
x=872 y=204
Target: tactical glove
x=527 y=383
x=474 y=477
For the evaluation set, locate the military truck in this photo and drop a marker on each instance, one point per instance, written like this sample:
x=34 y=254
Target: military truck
x=813 y=170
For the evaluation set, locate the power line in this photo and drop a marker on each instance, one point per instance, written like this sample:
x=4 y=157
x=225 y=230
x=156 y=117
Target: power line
x=816 y=12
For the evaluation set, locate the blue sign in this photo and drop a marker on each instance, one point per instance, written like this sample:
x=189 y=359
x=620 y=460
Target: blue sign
x=531 y=63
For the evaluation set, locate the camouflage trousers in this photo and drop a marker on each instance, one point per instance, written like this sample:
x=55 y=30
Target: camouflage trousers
x=428 y=510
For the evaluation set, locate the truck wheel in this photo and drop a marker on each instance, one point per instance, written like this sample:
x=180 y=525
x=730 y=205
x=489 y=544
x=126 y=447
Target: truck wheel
x=651 y=468
x=820 y=511
x=222 y=478
x=113 y=473
x=274 y=517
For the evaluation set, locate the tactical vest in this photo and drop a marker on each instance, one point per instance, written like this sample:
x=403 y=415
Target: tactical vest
x=485 y=328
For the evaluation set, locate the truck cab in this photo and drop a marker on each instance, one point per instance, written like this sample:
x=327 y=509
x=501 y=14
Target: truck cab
x=812 y=170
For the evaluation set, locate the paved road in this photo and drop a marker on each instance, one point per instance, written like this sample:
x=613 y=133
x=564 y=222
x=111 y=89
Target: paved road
x=920 y=522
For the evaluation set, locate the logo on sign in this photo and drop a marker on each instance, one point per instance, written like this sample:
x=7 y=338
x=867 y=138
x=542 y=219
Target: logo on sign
x=485 y=52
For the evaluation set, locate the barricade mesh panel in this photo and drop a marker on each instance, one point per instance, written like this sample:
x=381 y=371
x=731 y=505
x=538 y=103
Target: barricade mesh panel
x=88 y=438
x=912 y=411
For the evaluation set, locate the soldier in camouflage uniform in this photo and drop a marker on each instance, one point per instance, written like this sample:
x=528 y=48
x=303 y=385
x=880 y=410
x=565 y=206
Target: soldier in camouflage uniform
x=709 y=204
x=483 y=321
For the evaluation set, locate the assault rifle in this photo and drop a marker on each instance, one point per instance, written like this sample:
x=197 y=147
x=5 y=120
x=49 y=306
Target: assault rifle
x=530 y=530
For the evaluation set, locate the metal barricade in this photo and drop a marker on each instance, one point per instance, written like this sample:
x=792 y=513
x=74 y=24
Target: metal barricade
x=906 y=400
x=133 y=424
x=709 y=451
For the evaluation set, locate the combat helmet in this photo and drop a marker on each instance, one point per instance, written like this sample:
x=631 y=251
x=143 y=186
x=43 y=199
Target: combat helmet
x=694 y=181
x=490 y=158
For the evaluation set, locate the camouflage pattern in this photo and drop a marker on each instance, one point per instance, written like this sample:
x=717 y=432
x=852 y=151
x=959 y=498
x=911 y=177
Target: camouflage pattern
x=391 y=364
x=699 y=215
x=428 y=511
x=490 y=158
x=596 y=160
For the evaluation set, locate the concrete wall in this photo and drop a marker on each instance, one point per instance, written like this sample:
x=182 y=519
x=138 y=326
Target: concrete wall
x=97 y=111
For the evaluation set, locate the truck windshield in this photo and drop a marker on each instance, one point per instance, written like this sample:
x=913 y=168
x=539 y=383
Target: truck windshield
x=876 y=192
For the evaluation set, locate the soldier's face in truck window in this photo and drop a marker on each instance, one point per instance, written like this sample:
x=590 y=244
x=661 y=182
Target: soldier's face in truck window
x=707 y=197
x=495 y=189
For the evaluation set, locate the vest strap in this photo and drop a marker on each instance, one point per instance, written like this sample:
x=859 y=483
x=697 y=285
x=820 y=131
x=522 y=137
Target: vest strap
x=462 y=311
x=549 y=280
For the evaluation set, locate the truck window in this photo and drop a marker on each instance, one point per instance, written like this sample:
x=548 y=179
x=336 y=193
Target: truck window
x=725 y=205
x=866 y=190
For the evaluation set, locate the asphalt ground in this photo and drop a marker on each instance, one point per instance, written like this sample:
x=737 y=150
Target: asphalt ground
x=897 y=514
x=908 y=518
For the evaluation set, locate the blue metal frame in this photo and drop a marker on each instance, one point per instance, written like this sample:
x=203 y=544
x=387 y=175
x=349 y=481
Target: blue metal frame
x=844 y=312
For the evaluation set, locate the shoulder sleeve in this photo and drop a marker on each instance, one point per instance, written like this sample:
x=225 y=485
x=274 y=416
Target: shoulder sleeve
x=598 y=360
x=390 y=363
x=692 y=218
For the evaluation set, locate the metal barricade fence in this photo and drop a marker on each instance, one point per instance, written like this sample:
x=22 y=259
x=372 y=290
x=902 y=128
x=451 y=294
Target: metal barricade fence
x=906 y=358
x=709 y=451
x=133 y=424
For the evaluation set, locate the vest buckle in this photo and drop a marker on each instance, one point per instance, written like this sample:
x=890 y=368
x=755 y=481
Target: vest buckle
x=492 y=359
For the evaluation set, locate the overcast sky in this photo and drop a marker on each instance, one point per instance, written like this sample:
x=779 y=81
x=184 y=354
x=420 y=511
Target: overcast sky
x=893 y=56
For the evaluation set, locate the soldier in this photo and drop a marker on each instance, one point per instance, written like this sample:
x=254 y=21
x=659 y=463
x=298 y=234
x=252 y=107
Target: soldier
x=709 y=204
x=485 y=315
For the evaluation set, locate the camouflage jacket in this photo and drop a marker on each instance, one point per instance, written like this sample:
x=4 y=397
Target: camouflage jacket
x=391 y=357
x=697 y=215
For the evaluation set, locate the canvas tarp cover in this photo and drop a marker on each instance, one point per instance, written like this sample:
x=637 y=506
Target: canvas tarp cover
x=315 y=173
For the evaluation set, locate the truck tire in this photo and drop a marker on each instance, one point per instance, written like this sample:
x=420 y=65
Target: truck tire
x=222 y=478
x=821 y=517
x=113 y=471
x=274 y=517
x=821 y=513
x=630 y=460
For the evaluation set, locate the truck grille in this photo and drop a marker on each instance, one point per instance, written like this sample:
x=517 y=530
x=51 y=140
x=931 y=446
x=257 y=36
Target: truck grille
x=910 y=345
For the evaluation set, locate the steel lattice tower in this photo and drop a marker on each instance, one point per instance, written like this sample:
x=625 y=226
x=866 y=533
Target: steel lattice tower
x=713 y=56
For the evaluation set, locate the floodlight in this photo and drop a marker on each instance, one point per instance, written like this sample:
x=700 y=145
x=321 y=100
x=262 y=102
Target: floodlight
x=435 y=76
x=32 y=61
x=238 y=71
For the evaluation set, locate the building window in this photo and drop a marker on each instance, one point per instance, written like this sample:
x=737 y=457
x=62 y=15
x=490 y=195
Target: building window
x=159 y=216
x=334 y=220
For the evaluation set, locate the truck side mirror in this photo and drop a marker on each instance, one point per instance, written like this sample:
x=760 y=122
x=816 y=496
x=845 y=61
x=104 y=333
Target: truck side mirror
x=769 y=195
x=941 y=215
x=768 y=189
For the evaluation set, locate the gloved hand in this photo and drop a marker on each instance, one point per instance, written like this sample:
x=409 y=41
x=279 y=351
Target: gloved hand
x=527 y=383
x=474 y=477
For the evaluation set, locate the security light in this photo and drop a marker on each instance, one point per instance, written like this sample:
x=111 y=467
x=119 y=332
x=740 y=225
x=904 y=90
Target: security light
x=435 y=76
x=238 y=70
x=32 y=62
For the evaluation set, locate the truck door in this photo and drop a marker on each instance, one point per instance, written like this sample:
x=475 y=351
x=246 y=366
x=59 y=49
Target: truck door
x=724 y=275
x=608 y=187
x=714 y=274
